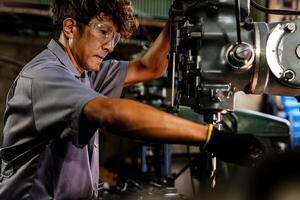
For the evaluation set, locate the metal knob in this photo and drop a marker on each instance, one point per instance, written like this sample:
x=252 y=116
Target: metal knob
x=240 y=55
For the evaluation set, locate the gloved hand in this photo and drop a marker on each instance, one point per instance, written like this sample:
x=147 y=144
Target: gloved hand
x=242 y=149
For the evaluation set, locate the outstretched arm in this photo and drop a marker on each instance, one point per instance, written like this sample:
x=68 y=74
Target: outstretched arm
x=139 y=121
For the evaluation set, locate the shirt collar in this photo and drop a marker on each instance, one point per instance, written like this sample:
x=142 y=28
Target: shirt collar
x=63 y=57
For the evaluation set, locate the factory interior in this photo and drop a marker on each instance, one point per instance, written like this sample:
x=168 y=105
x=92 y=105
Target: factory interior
x=248 y=92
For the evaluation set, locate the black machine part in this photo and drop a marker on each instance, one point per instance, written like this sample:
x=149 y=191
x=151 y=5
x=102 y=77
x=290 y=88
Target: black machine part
x=210 y=65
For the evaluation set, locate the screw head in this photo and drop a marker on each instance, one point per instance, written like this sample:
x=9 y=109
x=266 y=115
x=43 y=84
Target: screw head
x=290 y=27
x=289 y=75
x=243 y=52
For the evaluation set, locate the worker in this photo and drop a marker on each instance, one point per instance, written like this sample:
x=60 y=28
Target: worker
x=66 y=93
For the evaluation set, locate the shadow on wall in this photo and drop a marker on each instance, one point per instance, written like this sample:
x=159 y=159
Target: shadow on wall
x=15 y=51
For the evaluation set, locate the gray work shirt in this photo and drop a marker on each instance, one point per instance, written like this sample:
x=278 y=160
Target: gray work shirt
x=49 y=151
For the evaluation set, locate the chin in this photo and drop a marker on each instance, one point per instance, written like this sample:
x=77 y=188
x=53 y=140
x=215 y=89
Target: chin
x=94 y=67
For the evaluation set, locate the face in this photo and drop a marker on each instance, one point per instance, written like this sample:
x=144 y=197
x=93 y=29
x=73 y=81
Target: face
x=91 y=46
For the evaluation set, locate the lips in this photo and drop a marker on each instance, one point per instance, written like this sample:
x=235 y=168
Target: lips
x=100 y=57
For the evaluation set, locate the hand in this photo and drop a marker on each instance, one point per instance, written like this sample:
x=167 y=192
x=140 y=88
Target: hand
x=242 y=149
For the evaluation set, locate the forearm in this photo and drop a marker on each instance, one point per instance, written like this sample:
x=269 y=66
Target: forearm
x=157 y=55
x=153 y=64
x=139 y=121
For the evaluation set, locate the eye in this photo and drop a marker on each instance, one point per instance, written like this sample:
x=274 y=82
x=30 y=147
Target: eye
x=103 y=31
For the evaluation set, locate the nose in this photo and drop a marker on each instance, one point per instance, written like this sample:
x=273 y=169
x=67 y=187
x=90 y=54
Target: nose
x=108 y=46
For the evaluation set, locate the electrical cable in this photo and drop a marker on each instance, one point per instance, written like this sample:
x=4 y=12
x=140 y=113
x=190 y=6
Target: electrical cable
x=274 y=11
x=238 y=23
x=13 y=61
x=14 y=65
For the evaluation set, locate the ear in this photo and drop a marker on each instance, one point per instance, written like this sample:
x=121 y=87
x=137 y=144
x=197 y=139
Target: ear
x=68 y=28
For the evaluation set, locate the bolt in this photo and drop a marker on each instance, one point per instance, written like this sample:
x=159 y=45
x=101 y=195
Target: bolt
x=248 y=23
x=289 y=75
x=290 y=27
x=218 y=96
x=243 y=52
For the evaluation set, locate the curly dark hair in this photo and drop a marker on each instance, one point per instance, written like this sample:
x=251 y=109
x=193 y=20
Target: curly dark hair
x=121 y=12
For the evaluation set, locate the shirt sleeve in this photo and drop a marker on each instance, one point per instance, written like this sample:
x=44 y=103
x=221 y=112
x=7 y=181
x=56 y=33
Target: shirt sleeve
x=58 y=98
x=109 y=81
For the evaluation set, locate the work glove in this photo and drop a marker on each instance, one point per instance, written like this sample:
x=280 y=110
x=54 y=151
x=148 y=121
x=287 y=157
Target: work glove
x=242 y=149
